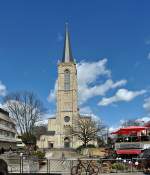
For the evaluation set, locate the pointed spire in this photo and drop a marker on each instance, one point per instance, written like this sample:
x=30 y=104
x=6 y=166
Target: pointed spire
x=67 y=54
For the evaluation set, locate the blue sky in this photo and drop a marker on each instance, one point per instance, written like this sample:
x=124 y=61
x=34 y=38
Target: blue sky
x=115 y=34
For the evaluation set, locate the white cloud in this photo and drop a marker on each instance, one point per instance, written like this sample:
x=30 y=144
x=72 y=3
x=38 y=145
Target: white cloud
x=86 y=110
x=42 y=122
x=3 y=89
x=146 y=104
x=147 y=42
x=44 y=119
x=143 y=119
x=52 y=94
x=88 y=85
x=88 y=73
x=87 y=92
x=148 y=56
x=121 y=95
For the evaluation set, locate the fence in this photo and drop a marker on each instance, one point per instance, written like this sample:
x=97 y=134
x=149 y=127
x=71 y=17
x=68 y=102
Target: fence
x=74 y=166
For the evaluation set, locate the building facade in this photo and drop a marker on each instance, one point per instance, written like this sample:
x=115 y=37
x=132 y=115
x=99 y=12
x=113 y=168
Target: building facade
x=131 y=141
x=7 y=131
x=67 y=104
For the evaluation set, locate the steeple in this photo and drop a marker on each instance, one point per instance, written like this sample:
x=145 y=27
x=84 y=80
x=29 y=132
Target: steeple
x=67 y=53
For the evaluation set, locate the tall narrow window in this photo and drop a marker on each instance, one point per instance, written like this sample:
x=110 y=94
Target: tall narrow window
x=67 y=80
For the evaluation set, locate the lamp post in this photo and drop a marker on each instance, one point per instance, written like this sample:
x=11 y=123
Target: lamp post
x=43 y=140
x=21 y=163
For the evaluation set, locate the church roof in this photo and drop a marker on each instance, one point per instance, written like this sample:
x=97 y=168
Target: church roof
x=67 y=53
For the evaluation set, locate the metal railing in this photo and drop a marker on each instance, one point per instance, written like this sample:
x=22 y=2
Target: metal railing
x=72 y=166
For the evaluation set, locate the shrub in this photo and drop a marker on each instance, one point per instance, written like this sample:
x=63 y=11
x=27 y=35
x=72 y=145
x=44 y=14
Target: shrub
x=39 y=154
x=80 y=148
x=118 y=166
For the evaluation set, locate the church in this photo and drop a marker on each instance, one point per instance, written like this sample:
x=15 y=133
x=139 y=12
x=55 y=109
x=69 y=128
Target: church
x=58 y=135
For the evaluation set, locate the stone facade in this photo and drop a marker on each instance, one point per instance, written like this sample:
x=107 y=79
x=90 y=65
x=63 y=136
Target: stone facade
x=67 y=105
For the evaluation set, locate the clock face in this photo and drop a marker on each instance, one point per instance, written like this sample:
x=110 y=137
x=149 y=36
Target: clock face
x=66 y=118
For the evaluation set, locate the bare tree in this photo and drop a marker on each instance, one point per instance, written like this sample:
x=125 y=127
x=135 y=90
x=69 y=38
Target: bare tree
x=25 y=108
x=86 y=130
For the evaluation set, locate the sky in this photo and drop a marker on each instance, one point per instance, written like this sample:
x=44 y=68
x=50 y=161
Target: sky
x=110 y=41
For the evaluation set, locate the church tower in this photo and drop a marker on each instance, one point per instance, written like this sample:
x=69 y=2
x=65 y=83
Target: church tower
x=67 y=107
x=59 y=135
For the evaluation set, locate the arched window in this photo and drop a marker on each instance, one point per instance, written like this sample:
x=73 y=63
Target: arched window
x=67 y=80
x=66 y=142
